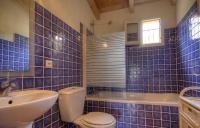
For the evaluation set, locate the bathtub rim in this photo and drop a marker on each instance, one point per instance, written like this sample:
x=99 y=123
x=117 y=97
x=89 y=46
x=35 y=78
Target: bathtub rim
x=162 y=103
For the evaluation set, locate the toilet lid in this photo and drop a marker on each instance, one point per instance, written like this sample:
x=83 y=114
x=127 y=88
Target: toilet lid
x=98 y=118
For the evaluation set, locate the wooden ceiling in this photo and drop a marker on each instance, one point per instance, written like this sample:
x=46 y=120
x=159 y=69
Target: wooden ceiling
x=100 y=6
x=109 y=5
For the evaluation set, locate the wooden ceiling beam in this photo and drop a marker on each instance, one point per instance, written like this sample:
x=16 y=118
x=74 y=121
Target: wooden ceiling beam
x=139 y=2
x=131 y=5
x=173 y=2
x=101 y=6
x=112 y=8
x=94 y=8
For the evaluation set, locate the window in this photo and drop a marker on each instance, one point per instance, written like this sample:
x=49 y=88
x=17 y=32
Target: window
x=195 y=27
x=151 y=32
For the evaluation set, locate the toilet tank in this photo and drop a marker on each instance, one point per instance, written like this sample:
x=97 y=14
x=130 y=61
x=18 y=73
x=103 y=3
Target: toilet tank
x=71 y=103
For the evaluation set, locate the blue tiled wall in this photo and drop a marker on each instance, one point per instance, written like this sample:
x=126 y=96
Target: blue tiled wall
x=137 y=115
x=171 y=68
x=66 y=55
x=148 y=70
x=188 y=50
x=168 y=68
x=14 y=56
x=153 y=69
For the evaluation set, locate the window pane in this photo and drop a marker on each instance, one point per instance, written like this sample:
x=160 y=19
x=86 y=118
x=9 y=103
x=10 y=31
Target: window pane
x=151 y=31
x=195 y=27
x=153 y=24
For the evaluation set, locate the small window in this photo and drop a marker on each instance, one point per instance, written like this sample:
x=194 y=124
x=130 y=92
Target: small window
x=151 y=32
x=195 y=27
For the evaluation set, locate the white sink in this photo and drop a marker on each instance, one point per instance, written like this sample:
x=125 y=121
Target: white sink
x=21 y=108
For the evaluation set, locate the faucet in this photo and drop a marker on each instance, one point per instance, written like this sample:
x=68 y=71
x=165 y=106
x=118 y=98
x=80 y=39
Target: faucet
x=7 y=87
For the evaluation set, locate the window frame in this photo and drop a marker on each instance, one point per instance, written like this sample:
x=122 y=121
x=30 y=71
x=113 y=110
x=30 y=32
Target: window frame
x=161 y=43
x=196 y=36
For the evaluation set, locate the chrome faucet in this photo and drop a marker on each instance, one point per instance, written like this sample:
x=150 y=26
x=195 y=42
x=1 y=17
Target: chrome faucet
x=7 y=87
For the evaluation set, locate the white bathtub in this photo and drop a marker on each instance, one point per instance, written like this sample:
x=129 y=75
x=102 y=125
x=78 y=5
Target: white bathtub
x=169 y=99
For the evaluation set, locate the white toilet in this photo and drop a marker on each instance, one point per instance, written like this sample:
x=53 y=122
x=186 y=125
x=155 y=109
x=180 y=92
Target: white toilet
x=71 y=103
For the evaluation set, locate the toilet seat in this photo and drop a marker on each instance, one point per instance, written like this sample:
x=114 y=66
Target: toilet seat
x=96 y=120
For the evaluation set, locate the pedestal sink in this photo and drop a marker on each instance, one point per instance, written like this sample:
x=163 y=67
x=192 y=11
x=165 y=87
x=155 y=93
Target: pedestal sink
x=21 y=108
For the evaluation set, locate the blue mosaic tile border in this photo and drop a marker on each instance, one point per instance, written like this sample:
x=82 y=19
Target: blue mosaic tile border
x=137 y=115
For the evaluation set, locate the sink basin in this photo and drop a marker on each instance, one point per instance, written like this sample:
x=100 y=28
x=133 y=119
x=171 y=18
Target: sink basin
x=21 y=108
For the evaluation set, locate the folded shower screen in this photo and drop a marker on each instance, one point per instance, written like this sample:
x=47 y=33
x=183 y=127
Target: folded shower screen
x=106 y=61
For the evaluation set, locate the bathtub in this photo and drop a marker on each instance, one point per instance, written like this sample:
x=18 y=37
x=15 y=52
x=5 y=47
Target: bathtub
x=169 y=99
x=137 y=110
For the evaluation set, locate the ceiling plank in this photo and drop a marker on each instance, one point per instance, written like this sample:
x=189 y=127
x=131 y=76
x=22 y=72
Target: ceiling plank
x=101 y=6
x=111 y=5
x=112 y=8
x=131 y=5
x=139 y=2
x=173 y=2
x=94 y=8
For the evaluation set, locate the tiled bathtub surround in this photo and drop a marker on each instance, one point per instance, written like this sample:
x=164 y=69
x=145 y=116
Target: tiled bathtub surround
x=168 y=68
x=188 y=49
x=14 y=56
x=153 y=69
x=137 y=115
x=150 y=69
x=56 y=41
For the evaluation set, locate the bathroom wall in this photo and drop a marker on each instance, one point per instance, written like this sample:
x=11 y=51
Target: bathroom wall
x=153 y=69
x=158 y=9
x=188 y=49
x=71 y=12
x=7 y=10
x=150 y=69
x=66 y=55
x=167 y=68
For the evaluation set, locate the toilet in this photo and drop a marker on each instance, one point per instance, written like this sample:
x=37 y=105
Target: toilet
x=71 y=104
